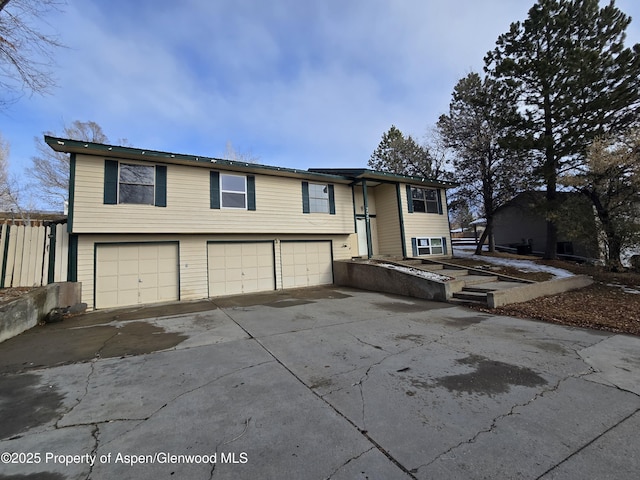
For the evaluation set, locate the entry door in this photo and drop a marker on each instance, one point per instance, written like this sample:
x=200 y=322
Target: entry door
x=361 y=229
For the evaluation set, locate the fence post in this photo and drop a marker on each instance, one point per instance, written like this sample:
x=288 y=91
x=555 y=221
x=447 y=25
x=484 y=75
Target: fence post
x=4 y=241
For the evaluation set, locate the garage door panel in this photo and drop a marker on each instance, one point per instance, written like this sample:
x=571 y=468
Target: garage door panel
x=240 y=267
x=306 y=264
x=130 y=274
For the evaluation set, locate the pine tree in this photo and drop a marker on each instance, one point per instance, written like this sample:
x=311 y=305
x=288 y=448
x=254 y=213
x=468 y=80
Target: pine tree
x=402 y=155
x=574 y=79
x=482 y=118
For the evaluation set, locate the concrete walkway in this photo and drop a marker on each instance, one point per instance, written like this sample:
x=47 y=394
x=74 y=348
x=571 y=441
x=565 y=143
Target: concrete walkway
x=317 y=384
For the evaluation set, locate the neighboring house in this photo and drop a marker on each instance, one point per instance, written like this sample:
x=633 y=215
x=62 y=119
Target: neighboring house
x=522 y=221
x=148 y=226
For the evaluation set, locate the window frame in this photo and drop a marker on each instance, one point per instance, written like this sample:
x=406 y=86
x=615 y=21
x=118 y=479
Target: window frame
x=120 y=182
x=435 y=203
x=235 y=192
x=429 y=247
x=325 y=198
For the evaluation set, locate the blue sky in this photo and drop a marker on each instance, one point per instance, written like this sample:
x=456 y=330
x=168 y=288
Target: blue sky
x=296 y=83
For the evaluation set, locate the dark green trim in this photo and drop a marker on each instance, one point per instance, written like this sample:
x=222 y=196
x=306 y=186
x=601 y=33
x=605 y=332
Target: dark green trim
x=128 y=153
x=161 y=186
x=367 y=219
x=355 y=213
x=72 y=262
x=409 y=199
x=305 y=197
x=151 y=242
x=5 y=256
x=110 y=182
x=401 y=219
x=336 y=174
x=251 y=192
x=332 y=200
x=214 y=189
x=72 y=192
x=51 y=270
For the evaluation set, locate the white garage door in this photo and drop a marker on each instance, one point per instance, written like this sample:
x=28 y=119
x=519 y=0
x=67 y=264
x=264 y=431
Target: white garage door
x=305 y=264
x=131 y=274
x=240 y=267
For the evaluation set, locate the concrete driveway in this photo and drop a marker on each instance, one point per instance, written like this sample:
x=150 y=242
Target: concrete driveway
x=326 y=383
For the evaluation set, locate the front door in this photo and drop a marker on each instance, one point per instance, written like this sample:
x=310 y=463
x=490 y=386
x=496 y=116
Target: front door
x=361 y=230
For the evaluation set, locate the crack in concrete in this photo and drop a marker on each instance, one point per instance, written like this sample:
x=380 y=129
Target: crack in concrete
x=494 y=422
x=377 y=347
x=95 y=433
x=348 y=462
x=592 y=441
x=338 y=412
x=148 y=417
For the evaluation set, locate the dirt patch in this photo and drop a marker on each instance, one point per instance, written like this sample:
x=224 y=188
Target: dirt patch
x=9 y=294
x=597 y=306
x=611 y=304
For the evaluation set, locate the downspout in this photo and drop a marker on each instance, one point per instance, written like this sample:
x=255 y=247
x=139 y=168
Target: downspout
x=367 y=219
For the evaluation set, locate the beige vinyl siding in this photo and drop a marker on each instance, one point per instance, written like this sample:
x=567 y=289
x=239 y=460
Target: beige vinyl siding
x=192 y=255
x=420 y=224
x=389 y=236
x=359 y=200
x=278 y=206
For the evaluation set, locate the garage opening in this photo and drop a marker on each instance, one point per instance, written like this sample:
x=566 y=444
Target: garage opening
x=240 y=267
x=306 y=263
x=136 y=273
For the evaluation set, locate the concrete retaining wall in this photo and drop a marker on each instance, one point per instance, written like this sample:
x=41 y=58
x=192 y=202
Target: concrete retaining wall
x=528 y=292
x=28 y=310
x=378 y=279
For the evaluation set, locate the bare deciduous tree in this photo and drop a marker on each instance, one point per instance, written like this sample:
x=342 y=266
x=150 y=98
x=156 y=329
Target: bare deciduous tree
x=26 y=54
x=50 y=170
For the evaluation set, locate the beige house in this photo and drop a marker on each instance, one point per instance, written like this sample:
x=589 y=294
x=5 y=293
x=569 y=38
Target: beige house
x=148 y=226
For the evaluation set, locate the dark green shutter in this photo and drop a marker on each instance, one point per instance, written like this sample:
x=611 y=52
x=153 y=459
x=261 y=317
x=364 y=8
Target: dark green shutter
x=72 y=261
x=332 y=201
x=110 y=182
x=305 y=197
x=161 y=186
x=444 y=245
x=409 y=199
x=251 y=192
x=414 y=246
x=439 y=202
x=214 y=189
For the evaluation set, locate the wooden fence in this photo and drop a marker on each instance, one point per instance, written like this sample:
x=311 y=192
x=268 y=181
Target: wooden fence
x=33 y=256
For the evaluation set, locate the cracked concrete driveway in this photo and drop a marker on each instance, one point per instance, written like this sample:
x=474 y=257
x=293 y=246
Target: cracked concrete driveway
x=325 y=383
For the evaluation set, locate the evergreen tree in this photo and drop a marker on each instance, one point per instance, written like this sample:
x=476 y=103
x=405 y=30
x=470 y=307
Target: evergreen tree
x=402 y=155
x=610 y=179
x=482 y=118
x=574 y=79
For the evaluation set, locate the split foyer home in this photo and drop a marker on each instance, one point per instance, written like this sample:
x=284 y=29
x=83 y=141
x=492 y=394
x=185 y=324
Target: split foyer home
x=148 y=226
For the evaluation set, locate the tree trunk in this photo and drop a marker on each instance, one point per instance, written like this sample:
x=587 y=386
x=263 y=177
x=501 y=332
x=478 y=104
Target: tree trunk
x=550 y=175
x=483 y=237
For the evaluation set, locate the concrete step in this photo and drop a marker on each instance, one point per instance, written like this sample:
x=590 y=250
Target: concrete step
x=430 y=267
x=500 y=285
x=479 y=279
x=454 y=272
x=471 y=296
